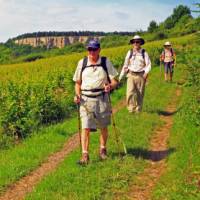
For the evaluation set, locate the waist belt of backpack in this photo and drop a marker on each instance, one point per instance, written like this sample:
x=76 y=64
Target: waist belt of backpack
x=94 y=90
x=94 y=96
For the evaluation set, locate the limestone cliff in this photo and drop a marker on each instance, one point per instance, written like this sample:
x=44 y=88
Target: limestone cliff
x=58 y=41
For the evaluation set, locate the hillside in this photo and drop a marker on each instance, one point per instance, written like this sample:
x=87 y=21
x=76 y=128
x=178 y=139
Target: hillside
x=162 y=160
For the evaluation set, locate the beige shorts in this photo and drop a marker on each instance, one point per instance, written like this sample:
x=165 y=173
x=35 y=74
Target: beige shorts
x=95 y=112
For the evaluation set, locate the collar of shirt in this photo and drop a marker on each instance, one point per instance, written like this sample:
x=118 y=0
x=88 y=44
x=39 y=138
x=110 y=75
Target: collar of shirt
x=97 y=63
x=137 y=51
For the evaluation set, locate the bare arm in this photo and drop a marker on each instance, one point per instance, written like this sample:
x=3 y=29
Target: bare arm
x=77 y=92
x=111 y=86
x=125 y=66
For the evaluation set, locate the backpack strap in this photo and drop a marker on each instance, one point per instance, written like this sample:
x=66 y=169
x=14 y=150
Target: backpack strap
x=172 y=52
x=131 y=53
x=85 y=60
x=103 y=64
x=143 y=54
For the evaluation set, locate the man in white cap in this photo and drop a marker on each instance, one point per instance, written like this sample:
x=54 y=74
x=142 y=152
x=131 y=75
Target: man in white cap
x=136 y=66
x=168 y=56
x=94 y=78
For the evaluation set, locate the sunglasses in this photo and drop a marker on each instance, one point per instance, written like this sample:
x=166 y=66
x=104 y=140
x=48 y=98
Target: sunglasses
x=92 y=49
x=135 y=42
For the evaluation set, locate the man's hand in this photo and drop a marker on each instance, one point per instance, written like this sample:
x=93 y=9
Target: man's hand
x=77 y=99
x=145 y=76
x=126 y=69
x=107 y=87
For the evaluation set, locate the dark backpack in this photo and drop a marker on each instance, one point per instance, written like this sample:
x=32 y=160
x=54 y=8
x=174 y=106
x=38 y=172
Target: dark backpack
x=131 y=53
x=102 y=64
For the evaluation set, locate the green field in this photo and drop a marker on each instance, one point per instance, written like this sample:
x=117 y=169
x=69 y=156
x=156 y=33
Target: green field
x=37 y=116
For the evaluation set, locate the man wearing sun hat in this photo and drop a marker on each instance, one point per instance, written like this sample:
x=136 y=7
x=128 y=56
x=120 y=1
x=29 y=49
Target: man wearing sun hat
x=94 y=79
x=168 y=56
x=137 y=65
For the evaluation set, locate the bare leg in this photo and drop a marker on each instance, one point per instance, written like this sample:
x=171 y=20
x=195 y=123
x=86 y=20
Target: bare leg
x=85 y=139
x=103 y=137
x=103 y=140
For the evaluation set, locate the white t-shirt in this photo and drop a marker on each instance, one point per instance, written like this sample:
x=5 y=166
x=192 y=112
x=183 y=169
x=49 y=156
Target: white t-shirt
x=94 y=77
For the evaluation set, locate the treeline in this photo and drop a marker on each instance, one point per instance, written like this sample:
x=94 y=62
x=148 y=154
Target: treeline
x=71 y=33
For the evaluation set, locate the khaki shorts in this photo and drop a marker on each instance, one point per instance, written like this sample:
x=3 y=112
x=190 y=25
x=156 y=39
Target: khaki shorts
x=95 y=112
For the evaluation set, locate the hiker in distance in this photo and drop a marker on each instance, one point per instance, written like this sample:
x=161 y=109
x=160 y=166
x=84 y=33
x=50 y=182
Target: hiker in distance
x=94 y=79
x=137 y=65
x=168 y=56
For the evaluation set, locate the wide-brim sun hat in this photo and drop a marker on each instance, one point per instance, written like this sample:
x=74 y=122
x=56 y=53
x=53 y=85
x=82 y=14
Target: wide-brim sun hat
x=167 y=43
x=137 y=37
x=95 y=44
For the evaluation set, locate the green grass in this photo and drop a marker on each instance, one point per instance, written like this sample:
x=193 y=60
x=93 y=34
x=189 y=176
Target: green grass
x=29 y=154
x=107 y=178
x=183 y=171
x=104 y=180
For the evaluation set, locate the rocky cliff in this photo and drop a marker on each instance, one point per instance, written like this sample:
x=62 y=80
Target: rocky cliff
x=58 y=41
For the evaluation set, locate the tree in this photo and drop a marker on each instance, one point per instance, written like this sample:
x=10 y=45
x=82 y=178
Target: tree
x=152 y=26
x=178 y=12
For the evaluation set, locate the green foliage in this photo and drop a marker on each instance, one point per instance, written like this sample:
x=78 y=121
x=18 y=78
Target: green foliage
x=178 y=12
x=40 y=92
x=152 y=26
x=114 y=40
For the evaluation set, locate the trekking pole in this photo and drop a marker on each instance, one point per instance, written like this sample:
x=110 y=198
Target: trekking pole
x=117 y=136
x=79 y=125
x=160 y=70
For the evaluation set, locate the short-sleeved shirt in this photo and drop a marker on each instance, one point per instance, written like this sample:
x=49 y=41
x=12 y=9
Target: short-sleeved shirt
x=94 y=77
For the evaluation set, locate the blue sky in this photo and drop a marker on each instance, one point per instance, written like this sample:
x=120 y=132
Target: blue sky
x=22 y=16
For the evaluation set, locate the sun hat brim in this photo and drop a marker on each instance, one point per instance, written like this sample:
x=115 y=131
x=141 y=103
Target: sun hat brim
x=141 y=39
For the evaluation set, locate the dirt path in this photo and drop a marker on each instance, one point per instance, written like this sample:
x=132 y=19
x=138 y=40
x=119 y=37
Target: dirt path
x=146 y=181
x=18 y=190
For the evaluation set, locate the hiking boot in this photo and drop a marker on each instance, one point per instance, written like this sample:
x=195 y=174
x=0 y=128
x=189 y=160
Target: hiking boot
x=103 y=154
x=84 y=159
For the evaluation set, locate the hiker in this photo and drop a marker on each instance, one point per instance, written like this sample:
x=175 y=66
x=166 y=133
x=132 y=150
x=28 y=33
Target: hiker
x=168 y=56
x=136 y=67
x=94 y=79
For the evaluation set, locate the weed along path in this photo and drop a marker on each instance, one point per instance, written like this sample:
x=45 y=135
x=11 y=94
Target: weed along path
x=19 y=190
x=145 y=182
